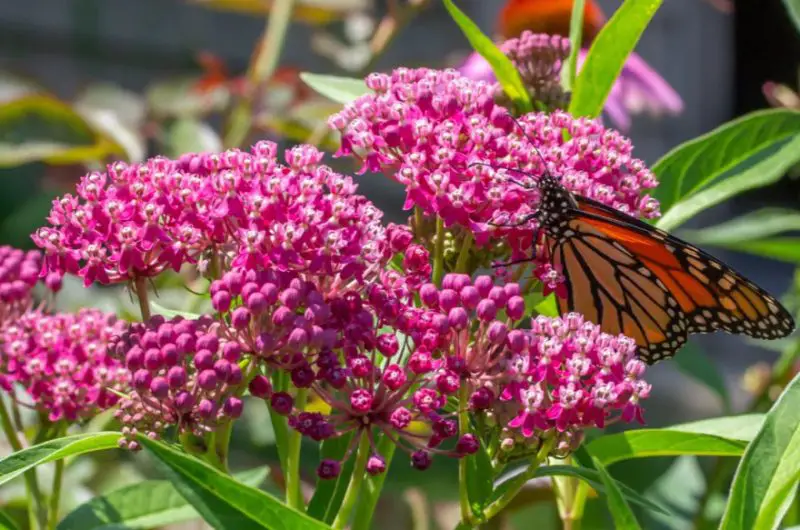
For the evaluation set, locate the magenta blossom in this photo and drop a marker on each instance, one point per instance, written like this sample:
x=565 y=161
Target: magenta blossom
x=444 y=138
x=182 y=375
x=62 y=362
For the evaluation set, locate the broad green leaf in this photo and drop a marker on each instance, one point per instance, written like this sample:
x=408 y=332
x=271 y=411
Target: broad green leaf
x=223 y=502
x=755 y=225
x=149 y=504
x=118 y=113
x=766 y=479
x=716 y=437
x=42 y=128
x=746 y=153
x=17 y=463
x=570 y=70
x=617 y=505
x=694 y=362
x=339 y=89
x=548 y=306
x=14 y=86
x=6 y=522
x=590 y=476
x=190 y=135
x=755 y=233
x=504 y=70
x=608 y=54
x=793 y=7
x=181 y=97
x=328 y=495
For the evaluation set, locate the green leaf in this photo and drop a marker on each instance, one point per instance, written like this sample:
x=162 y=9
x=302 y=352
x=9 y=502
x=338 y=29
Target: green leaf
x=608 y=54
x=223 y=502
x=569 y=73
x=480 y=478
x=6 y=522
x=149 y=504
x=548 y=306
x=754 y=233
x=752 y=151
x=726 y=436
x=181 y=98
x=118 y=113
x=17 y=463
x=590 y=476
x=504 y=70
x=172 y=313
x=328 y=495
x=42 y=128
x=793 y=7
x=190 y=135
x=617 y=505
x=339 y=89
x=693 y=362
x=766 y=479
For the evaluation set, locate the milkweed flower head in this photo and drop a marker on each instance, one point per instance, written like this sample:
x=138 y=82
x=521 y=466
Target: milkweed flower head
x=182 y=375
x=456 y=151
x=235 y=207
x=19 y=272
x=567 y=377
x=62 y=361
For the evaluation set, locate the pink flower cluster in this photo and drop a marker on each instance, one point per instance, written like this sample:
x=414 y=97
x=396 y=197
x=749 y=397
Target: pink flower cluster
x=63 y=363
x=235 y=207
x=455 y=150
x=539 y=58
x=19 y=272
x=182 y=375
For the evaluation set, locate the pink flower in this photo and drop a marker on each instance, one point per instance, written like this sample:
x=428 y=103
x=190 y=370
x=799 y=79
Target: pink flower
x=62 y=362
x=19 y=272
x=183 y=375
x=460 y=156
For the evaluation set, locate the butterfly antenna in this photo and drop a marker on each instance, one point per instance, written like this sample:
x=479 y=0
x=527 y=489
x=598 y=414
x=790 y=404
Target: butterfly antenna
x=536 y=149
x=496 y=168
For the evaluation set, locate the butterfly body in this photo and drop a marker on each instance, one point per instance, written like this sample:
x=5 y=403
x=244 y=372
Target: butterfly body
x=635 y=279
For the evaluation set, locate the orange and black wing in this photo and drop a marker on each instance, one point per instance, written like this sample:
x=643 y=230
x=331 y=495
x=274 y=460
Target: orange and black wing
x=632 y=278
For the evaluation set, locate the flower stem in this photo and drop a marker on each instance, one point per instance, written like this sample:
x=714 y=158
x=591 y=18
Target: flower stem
x=519 y=481
x=39 y=519
x=353 y=489
x=463 y=428
x=55 y=494
x=463 y=254
x=438 y=252
x=294 y=493
x=140 y=286
x=372 y=488
x=263 y=65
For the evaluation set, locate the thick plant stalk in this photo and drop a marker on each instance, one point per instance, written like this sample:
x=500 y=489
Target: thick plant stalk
x=294 y=493
x=354 y=488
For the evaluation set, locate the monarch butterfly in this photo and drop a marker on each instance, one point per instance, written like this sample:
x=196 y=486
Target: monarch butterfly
x=635 y=279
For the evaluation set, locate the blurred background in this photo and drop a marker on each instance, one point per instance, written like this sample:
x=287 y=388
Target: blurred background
x=86 y=81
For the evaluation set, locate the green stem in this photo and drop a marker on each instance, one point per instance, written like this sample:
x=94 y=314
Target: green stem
x=140 y=285
x=356 y=479
x=372 y=488
x=519 y=481
x=55 y=494
x=263 y=65
x=575 y=36
x=463 y=255
x=571 y=494
x=463 y=428
x=438 y=252
x=39 y=519
x=294 y=493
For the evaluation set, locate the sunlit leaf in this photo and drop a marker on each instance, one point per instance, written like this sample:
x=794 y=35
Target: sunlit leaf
x=42 y=128
x=336 y=88
x=119 y=113
x=504 y=70
x=190 y=135
x=223 y=502
x=149 y=504
x=17 y=463
x=766 y=479
x=752 y=151
x=726 y=436
x=14 y=86
x=607 y=56
x=183 y=98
